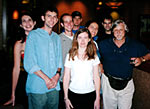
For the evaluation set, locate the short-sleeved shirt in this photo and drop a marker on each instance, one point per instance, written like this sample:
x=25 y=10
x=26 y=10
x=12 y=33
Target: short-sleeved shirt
x=116 y=61
x=81 y=80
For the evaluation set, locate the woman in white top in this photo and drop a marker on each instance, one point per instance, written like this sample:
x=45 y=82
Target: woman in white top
x=81 y=82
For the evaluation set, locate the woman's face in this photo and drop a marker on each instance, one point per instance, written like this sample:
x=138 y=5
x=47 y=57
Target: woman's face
x=83 y=39
x=93 y=28
x=27 y=23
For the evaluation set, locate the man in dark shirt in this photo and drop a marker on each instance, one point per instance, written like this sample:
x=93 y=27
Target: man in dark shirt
x=105 y=31
x=119 y=56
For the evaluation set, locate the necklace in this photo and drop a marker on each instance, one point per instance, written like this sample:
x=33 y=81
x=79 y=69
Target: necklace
x=81 y=56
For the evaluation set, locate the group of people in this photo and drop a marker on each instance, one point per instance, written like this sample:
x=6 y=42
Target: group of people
x=69 y=70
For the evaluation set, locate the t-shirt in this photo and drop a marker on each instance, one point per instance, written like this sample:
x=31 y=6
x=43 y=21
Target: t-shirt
x=74 y=31
x=81 y=80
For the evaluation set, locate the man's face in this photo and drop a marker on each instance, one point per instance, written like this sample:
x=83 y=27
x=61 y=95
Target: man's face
x=50 y=19
x=119 y=31
x=77 y=20
x=67 y=23
x=107 y=24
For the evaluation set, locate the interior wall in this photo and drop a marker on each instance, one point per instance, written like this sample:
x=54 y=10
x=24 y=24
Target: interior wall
x=133 y=10
x=69 y=7
x=1 y=25
x=86 y=7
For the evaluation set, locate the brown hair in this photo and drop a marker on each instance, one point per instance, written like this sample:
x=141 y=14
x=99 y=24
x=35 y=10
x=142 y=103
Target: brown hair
x=90 y=50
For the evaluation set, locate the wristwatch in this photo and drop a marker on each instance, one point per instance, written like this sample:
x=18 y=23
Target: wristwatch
x=143 y=59
x=58 y=73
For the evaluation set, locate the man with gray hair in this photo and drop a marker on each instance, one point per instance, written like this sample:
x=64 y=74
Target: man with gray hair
x=120 y=54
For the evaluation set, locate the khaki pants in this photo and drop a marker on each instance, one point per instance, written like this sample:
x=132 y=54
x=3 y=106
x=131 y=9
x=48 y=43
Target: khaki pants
x=113 y=99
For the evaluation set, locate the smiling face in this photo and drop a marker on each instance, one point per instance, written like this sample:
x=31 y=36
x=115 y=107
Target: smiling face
x=27 y=23
x=50 y=19
x=93 y=28
x=83 y=39
x=119 y=31
x=67 y=23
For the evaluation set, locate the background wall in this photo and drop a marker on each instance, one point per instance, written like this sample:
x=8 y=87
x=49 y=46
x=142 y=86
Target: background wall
x=0 y=24
x=130 y=11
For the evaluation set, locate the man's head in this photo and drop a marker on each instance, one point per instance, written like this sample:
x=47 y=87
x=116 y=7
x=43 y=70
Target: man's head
x=66 y=22
x=119 y=29
x=48 y=8
x=50 y=16
x=107 y=22
x=77 y=18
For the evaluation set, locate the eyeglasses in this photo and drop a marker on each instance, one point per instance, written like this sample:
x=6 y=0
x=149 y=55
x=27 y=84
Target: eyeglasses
x=107 y=23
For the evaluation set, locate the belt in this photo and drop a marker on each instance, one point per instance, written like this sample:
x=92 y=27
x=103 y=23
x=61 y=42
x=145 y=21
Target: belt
x=123 y=79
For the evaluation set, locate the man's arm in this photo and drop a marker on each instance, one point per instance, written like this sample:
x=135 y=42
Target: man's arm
x=139 y=60
x=146 y=57
x=30 y=59
x=49 y=82
x=56 y=77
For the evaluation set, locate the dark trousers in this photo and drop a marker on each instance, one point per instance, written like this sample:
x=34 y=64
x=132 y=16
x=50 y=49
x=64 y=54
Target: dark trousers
x=61 y=97
x=21 y=96
x=82 y=101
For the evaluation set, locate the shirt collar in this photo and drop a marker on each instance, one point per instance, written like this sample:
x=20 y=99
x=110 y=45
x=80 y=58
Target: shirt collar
x=45 y=32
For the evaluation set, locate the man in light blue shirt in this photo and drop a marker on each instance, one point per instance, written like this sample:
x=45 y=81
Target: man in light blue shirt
x=43 y=62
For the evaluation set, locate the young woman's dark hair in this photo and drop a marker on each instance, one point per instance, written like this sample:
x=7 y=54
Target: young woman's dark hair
x=21 y=34
x=26 y=13
x=89 y=22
